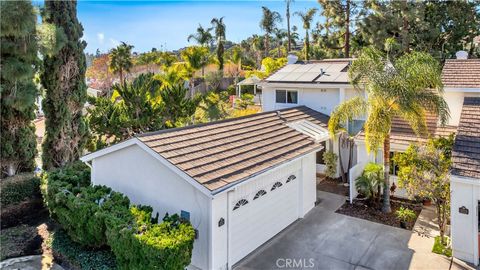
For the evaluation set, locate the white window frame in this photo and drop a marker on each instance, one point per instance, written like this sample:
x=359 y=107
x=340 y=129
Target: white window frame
x=286 y=96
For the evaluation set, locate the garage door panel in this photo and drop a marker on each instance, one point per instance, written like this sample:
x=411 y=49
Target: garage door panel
x=256 y=222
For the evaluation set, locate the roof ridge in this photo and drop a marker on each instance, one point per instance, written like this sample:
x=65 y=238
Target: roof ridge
x=162 y=131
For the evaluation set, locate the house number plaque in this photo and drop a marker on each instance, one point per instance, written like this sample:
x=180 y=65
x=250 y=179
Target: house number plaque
x=463 y=210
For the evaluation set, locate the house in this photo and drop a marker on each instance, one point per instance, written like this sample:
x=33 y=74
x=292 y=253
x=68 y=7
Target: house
x=319 y=85
x=322 y=85
x=239 y=181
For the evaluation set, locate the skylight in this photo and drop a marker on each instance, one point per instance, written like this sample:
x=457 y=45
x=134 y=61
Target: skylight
x=310 y=129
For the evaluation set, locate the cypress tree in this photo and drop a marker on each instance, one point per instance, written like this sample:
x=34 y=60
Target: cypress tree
x=17 y=88
x=63 y=78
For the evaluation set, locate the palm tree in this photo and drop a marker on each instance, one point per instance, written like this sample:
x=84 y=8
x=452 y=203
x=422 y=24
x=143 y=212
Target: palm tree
x=257 y=47
x=202 y=36
x=307 y=18
x=268 y=24
x=280 y=34
x=288 y=2
x=196 y=58
x=294 y=36
x=408 y=88
x=236 y=58
x=220 y=30
x=121 y=60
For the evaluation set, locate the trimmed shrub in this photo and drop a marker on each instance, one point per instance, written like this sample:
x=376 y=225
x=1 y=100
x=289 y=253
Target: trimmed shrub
x=95 y=216
x=18 y=188
x=139 y=243
x=77 y=256
x=80 y=209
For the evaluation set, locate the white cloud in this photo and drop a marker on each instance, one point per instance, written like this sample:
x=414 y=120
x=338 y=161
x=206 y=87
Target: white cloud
x=101 y=37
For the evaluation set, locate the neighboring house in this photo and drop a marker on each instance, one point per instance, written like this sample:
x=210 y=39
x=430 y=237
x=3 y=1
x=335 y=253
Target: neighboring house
x=319 y=85
x=465 y=184
x=239 y=181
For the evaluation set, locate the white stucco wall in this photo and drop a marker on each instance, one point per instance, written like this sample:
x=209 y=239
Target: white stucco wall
x=304 y=166
x=464 y=230
x=146 y=181
x=454 y=100
x=320 y=99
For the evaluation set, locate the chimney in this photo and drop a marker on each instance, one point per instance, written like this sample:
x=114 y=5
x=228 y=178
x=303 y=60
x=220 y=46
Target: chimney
x=291 y=59
x=462 y=55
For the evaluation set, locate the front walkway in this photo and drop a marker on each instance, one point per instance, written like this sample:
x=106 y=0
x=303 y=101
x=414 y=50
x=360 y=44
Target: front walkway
x=327 y=240
x=421 y=241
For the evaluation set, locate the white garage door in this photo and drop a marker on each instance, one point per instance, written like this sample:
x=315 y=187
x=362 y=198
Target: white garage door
x=259 y=216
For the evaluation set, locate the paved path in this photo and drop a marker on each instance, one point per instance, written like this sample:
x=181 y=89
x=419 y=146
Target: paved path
x=327 y=240
x=421 y=241
x=37 y=262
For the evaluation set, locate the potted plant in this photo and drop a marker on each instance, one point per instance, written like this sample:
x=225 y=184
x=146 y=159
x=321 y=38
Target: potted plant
x=405 y=216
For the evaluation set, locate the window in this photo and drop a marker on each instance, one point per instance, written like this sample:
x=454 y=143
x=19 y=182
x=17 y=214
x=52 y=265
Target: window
x=354 y=126
x=291 y=178
x=276 y=185
x=240 y=203
x=292 y=97
x=286 y=97
x=281 y=96
x=259 y=194
x=393 y=166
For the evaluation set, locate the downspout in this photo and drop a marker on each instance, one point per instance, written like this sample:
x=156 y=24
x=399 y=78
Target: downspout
x=229 y=253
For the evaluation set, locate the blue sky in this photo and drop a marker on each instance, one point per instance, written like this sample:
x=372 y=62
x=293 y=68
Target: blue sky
x=150 y=24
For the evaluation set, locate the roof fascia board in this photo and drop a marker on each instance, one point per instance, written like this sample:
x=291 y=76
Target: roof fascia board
x=307 y=85
x=108 y=150
x=248 y=179
x=462 y=89
x=136 y=141
x=465 y=180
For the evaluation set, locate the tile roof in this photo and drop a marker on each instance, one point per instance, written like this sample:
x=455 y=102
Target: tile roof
x=402 y=134
x=466 y=151
x=461 y=73
x=224 y=152
x=320 y=71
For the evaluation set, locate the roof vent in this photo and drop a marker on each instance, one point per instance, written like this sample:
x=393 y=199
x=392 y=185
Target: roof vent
x=292 y=59
x=279 y=114
x=462 y=55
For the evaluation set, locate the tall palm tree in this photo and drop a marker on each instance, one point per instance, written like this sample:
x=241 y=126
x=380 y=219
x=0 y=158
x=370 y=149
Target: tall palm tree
x=196 y=58
x=307 y=18
x=121 y=60
x=202 y=36
x=268 y=23
x=408 y=88
x=288 y=2
x=220 y=30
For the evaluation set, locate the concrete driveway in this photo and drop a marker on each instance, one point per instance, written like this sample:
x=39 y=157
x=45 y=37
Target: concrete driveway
x=326 y=240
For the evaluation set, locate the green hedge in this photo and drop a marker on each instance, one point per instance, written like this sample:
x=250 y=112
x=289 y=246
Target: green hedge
x=18 y=188
x=79 y=256
x=95 y=216
x=139 y=243
x=81 y=209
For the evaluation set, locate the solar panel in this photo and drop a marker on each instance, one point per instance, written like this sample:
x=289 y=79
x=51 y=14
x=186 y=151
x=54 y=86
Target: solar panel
x=318 y=72
x=337 y=67
x=328 y=77
x=308 y=77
